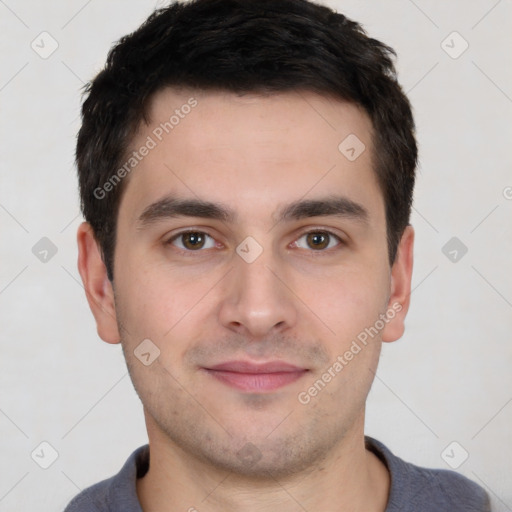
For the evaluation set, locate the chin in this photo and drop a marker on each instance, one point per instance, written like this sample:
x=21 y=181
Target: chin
x=262 y=459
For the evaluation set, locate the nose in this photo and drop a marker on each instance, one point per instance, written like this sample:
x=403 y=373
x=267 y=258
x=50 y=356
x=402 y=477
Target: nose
x=257 y=300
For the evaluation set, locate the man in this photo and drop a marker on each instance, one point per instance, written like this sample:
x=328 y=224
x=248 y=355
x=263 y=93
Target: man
x=246 y=173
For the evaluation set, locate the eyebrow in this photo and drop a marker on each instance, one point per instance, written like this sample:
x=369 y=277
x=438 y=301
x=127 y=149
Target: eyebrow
x=337 y=206
x=171 y=207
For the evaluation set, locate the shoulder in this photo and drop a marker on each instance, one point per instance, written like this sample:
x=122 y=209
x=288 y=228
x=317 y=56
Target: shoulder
x=416 y=488
x=118 y=493
x=91 y=499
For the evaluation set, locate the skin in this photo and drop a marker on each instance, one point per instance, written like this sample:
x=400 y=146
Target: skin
x=296 y=303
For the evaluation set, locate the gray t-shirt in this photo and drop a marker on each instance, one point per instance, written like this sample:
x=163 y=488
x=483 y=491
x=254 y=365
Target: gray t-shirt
x=413 y=489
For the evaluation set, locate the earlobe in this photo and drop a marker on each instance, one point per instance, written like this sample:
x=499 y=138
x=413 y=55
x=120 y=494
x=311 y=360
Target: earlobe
x=98 y=288
x=401 y=274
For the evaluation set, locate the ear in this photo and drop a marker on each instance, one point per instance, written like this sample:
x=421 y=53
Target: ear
x=98 y=288
x=401 y=274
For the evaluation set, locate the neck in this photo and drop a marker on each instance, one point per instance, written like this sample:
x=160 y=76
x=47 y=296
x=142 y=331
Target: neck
x=351 y=477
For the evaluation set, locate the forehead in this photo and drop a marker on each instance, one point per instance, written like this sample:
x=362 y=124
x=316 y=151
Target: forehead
x=251 y=150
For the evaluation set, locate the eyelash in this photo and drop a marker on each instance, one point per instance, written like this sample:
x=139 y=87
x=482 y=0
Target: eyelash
x=189 y=252
x=331 y=236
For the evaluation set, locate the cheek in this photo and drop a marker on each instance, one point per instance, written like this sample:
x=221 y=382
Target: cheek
x=348 y=301
x=166 y=305
x=172 y=305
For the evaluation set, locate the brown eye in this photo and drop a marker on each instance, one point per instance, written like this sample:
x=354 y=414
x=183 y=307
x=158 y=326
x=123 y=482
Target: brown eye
x=317 y=240
x=193 y=241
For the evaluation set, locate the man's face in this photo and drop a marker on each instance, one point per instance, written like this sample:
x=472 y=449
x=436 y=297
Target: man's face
x=266 y=262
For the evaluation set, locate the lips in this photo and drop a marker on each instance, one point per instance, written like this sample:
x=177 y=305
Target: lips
x=253 y=377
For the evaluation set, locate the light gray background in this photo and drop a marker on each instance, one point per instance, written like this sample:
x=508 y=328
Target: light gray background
x=449 y=378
